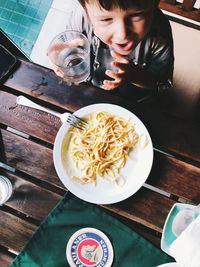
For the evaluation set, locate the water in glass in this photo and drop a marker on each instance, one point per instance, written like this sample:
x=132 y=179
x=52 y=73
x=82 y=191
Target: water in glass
x=75 y=64
x=69 y=51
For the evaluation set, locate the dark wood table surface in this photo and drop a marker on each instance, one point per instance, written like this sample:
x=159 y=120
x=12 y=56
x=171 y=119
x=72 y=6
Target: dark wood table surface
x=26 y=142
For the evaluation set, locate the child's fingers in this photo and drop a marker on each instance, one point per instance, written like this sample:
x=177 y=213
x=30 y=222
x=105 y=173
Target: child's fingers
x=116 y=82
x=110 y=85
x=120 y=67
x=118 y=79
x=113 y=74
x=58 y=72
x=120 y=58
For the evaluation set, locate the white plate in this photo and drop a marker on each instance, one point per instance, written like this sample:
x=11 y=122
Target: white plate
x=172 y=264
x=135 y=171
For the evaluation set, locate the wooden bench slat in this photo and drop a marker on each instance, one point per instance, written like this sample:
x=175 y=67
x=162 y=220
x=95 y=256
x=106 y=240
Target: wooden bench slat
x=177 y=136
x=30 y=121
x=188 y=5
x=23 y=160
x=24 y=231
x=146 y=210
x=145 y=207
x=150 y=234
x=176 y=177
x=176 y=9
x=173 y=135
x=31 y=199
x=34 y=80
x=28 y=204
x=29 y=157
x=165 y=173
x=17 y=231
x=172 y=2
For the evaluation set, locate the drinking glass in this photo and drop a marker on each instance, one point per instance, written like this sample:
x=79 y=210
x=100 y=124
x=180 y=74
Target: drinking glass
x=69 y=51
x=5 y=189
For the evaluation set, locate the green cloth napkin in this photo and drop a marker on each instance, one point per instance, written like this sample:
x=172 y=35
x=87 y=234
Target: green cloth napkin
x=47 y=247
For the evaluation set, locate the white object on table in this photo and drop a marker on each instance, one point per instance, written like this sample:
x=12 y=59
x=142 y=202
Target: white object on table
x=171 y=264
x=5 y=189
x=21 y=100
x=186 y=248
x=67 y=117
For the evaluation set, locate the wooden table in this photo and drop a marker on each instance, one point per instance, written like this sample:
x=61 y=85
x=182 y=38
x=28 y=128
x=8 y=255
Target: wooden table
x=27 y=138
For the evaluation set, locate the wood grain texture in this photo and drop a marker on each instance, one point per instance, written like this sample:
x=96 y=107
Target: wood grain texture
x=149 y=234
x=173 y=134
x=188 y=5
x=24 y=160
x=177 y=9
x=28 y=157
x=43 y=83
x=145 y=207
x=168 y=132
x=36 y=182
x=167 y=172
x=30 y=199
x=176 y=177
x=14 y=231
x=33 y=122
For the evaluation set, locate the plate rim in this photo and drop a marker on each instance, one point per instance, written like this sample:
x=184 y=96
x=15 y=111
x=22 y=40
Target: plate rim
x=169 y=264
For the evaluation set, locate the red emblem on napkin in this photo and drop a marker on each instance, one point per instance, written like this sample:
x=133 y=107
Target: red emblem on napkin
x=89 y=247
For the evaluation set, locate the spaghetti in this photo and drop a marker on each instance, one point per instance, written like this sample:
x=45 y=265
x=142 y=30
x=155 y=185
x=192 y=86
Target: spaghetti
x=102 y=149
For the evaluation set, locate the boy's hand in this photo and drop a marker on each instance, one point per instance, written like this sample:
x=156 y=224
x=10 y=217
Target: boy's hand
x=122 y=64
x=54 y=49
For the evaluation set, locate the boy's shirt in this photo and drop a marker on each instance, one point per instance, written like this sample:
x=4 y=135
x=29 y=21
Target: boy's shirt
x=154 y=52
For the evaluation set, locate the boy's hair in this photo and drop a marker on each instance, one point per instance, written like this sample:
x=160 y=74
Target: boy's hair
x=123 y=4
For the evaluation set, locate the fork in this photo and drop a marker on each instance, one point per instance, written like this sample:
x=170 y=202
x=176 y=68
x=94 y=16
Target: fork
x=64 y=117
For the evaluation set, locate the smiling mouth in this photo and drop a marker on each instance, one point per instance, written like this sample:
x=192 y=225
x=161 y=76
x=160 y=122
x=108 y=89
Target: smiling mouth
x=125 y=47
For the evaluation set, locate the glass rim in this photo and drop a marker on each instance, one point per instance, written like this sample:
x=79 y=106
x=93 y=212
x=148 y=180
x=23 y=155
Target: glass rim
x=70 y=31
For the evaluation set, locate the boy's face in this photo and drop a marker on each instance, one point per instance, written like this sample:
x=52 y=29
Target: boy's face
x=121 y=29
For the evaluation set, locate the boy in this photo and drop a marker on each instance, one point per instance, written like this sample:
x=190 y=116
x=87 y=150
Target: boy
x=131 y=43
